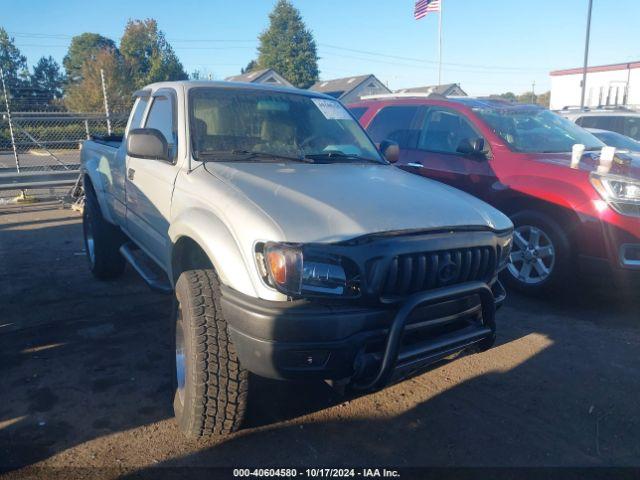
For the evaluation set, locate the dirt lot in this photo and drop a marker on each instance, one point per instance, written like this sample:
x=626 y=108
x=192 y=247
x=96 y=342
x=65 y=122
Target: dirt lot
x=84 y=376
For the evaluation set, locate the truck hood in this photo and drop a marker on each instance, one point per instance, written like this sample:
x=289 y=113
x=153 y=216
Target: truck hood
x=333 y=202
x=629 y=166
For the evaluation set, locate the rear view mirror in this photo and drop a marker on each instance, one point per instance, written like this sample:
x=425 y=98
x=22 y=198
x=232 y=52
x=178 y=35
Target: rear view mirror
x=473 y=147
x=147 y=143
x=390 y=150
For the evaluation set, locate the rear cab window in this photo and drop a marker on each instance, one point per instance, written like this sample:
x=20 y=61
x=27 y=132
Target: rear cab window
x=603 y=122
x=632 y=127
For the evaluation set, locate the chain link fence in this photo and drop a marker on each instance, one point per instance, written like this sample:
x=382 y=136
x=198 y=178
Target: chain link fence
x=50 y=141
x=40 y=140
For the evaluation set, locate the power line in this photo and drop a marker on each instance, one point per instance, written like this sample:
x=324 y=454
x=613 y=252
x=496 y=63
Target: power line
x=324 y=45
x=413 y=59
x=495 y=71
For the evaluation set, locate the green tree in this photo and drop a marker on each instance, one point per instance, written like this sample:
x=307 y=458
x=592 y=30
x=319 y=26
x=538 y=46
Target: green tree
x=252 y=65
x=508 y=96
x=47 y=80
x=12 y=62
x=541 y=99
x=527 y=97
x=15 y=71
x=148 y=55
x=86 y=95
x=288 y=46
x=84 y=47
x=544 y=99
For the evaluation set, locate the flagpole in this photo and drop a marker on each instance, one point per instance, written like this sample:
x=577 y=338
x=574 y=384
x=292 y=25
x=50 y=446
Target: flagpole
x=440 y=44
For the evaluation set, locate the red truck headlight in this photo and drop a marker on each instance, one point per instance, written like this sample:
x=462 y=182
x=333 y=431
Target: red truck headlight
x=621 y=193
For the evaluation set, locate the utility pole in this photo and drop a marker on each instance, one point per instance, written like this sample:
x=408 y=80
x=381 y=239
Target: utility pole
x=106 y=102
x=533 y=92
x=586 y=56
x=440 y=44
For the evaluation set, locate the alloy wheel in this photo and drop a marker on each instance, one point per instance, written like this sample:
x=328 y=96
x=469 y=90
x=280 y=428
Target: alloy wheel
x=533 y=256
x=180 y=356
x=89 y=238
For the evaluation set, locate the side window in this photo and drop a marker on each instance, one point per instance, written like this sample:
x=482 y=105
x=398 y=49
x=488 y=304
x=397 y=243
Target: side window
x=160 y=117
x=358 y=112
x=632 y=127
x=395 y=123
x=601 y=122
x=444 y=130
x=137 y=112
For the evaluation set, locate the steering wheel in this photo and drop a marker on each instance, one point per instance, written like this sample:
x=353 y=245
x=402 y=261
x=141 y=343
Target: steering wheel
x=309 y=139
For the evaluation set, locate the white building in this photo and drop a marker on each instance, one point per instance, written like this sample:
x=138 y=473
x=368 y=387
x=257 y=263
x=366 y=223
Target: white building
x=616 y=84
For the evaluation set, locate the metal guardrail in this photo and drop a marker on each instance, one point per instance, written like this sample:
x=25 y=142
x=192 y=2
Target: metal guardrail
x=43 y=150
x=42 y=179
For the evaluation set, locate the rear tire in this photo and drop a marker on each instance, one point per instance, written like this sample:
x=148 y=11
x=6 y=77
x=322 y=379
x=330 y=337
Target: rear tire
x=102 y=241
x=211 y=385
x=541 y=257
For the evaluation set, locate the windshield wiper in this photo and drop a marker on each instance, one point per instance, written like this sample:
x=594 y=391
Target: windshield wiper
x=248 y=155
x=341 y=156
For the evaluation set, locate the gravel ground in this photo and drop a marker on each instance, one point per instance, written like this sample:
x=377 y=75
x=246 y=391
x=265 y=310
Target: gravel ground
x=84 y=376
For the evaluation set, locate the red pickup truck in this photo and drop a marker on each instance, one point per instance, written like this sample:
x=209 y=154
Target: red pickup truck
x=569 y=221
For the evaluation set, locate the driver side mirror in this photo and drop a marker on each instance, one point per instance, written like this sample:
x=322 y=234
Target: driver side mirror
x=473 y=147
x=390 y=150
x=147 y=143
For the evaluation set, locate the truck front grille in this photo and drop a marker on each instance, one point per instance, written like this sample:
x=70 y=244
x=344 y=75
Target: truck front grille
x=411 y=273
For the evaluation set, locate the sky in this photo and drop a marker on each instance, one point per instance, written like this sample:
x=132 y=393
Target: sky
x=488 y=46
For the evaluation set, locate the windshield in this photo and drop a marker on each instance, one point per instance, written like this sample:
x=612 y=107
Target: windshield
x=237 y=124
x=537 y=130
x=616 y=140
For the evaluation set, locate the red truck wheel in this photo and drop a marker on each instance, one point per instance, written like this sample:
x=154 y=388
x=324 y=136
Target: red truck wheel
x=541 y=254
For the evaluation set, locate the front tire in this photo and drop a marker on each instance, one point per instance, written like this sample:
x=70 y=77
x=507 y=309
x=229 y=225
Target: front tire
x=211 y=385
x=541 y=255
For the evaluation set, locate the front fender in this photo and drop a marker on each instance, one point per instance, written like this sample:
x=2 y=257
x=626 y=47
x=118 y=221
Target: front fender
x=218 y=243
x=572 y=196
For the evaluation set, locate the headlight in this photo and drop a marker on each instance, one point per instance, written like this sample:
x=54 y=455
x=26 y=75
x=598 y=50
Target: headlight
x=284 y=267
x=621 y=193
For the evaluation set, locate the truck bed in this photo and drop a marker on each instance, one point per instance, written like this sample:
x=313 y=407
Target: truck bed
x=113 y=141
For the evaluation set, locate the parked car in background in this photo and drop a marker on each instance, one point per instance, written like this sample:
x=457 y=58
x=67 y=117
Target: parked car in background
x=615 y=139
x=517 y=158
x=273 y=217
x=615 y=119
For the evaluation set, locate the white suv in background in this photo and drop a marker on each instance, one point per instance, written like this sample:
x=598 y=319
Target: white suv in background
x=615 y=119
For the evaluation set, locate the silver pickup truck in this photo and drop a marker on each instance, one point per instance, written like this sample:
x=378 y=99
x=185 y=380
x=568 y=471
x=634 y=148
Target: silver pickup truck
x=294 y=248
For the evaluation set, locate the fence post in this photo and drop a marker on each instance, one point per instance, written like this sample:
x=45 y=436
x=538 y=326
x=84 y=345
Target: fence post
x=86 y=129
x=6 y=103
x=106 y=101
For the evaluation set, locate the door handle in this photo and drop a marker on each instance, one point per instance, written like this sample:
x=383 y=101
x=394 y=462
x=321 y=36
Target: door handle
x=131 y=173
x=415 y=165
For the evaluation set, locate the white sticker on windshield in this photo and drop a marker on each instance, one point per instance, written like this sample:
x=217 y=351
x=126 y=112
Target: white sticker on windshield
x=331 y=109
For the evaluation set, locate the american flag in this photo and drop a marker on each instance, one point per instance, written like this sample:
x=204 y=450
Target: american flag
x=425 y=6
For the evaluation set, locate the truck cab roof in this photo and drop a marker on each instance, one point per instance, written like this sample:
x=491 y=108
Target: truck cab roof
x=187 y=85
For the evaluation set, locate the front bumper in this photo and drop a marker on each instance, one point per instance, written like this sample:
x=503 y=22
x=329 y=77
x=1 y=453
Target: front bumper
x=370 y=345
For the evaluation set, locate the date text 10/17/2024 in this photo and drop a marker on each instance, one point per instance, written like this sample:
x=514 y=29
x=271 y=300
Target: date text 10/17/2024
x=316 y=472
